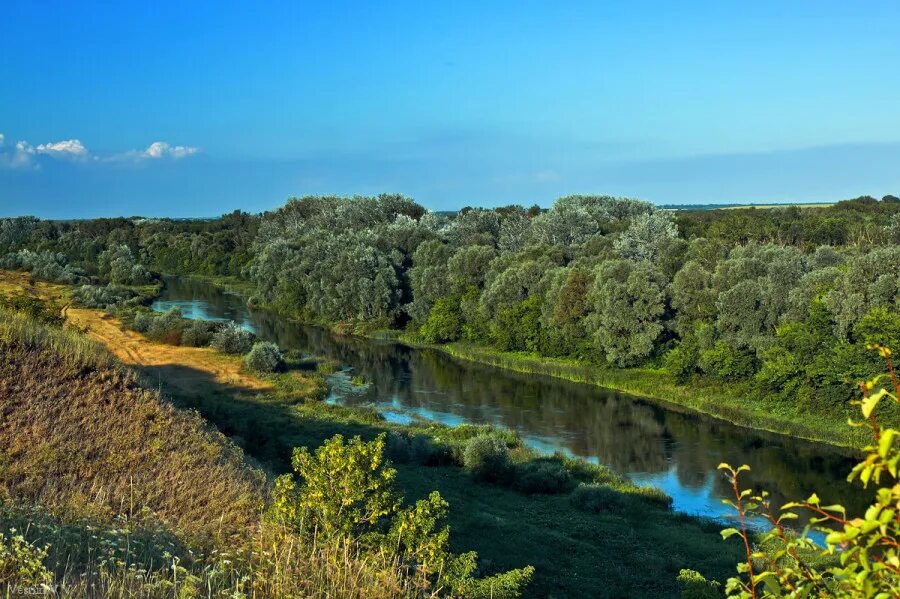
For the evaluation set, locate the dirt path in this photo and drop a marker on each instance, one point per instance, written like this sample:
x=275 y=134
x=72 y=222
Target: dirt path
x=188 y=369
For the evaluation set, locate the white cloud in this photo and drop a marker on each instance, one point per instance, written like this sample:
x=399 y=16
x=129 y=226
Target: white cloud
x=161 y=149
x=68 y=147
x=24 y=154
x=20 y=157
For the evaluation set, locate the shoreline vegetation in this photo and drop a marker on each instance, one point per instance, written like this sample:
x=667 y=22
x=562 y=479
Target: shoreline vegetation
x=647 y=384
x=650 y=385
x=527 y=502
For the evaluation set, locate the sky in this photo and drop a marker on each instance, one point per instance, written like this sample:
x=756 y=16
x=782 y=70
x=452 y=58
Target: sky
x=200 y=108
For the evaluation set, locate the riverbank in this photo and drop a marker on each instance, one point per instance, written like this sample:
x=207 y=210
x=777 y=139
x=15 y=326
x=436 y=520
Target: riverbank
x=732 y=403
x=721 y=401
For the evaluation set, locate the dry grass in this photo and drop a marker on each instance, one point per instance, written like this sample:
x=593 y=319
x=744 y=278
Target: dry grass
x=138 y=499
x=79 y=434
x=184 y=369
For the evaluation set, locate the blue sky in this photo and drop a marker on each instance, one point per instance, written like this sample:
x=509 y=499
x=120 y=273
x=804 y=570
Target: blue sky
x=198 y=108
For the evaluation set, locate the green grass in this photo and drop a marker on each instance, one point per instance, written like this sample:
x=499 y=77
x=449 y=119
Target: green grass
x=634 y=549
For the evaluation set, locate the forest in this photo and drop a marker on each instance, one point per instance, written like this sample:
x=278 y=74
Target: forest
x=774 y=305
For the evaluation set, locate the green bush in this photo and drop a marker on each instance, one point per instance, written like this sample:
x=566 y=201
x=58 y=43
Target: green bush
x=543 y=475
x=596 y=499
x=44 y=312
x=199 y=333
x=346 y=491
x=22 y=563
x=167 y=327
x=444 y=322
x=695 y=586
x=727 y=361
x=681 y=361
x=264 y=357
x=486 y=458
x=231 y=338
x=141 y=321
x=104 y=297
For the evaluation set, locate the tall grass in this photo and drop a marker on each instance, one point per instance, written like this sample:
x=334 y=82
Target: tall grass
x=72 y=347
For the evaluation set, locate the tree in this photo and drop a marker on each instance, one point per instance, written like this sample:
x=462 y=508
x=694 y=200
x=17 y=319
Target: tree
x=444 y=322
x=693 y=297
x=119 y=266
x=647 y=237
x=468 y=267
x=628 y=301
x=564 y=312
x=428 y=278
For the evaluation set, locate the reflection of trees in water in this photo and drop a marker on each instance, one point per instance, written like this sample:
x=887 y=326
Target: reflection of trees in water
x=789 y=469
x=219 y=304
x=627 y=434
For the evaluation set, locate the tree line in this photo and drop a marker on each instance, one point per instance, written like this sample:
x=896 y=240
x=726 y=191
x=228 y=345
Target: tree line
x=780 y=300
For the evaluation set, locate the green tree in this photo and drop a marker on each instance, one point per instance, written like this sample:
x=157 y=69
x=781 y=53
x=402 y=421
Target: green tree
x=629 y=303
x=444 y=322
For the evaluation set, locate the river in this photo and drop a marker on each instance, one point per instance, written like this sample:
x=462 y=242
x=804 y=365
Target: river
x=643 y=440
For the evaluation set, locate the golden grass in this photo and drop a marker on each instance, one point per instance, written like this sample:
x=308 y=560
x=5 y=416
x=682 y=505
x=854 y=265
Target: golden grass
x=185 y=369
x=91 y=458
x=78 y=434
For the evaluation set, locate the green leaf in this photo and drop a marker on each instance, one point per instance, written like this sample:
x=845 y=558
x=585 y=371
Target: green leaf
x=729 y=532
x=887 y=439
x=868 y=404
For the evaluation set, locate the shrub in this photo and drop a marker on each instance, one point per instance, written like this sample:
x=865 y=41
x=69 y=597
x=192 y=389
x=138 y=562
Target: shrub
x=142 y=321
x=264 y=357
x=444 y=322
x=486 y=458
x=544 y=475
x=346 y=491
x=22 y=563
x=681 y=361
x=596 y=499
x=44 y=312
x=726 y=361
x=779 y=563
x=104 y=297
x=167 y=326
x=417 y=449
x=232 y=339
x=695 y=586
x=199 y=333
x=42 y=265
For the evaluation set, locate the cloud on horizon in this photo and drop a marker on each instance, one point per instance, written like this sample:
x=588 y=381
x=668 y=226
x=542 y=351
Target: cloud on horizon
x=23 y=154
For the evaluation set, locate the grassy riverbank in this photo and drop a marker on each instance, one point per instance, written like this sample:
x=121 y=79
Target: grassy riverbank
x=728 y=402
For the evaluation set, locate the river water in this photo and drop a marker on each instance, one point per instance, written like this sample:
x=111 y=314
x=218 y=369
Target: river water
x=649 y=443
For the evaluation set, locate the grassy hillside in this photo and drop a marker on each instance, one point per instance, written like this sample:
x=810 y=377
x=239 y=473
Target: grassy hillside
x=80 y=435
x=106 y=490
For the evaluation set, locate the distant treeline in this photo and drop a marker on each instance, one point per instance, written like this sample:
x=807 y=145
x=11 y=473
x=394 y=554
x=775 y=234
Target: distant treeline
x=780 y=300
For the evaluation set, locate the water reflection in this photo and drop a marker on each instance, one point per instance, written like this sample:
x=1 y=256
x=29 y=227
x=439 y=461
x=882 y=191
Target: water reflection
x=649 y=443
